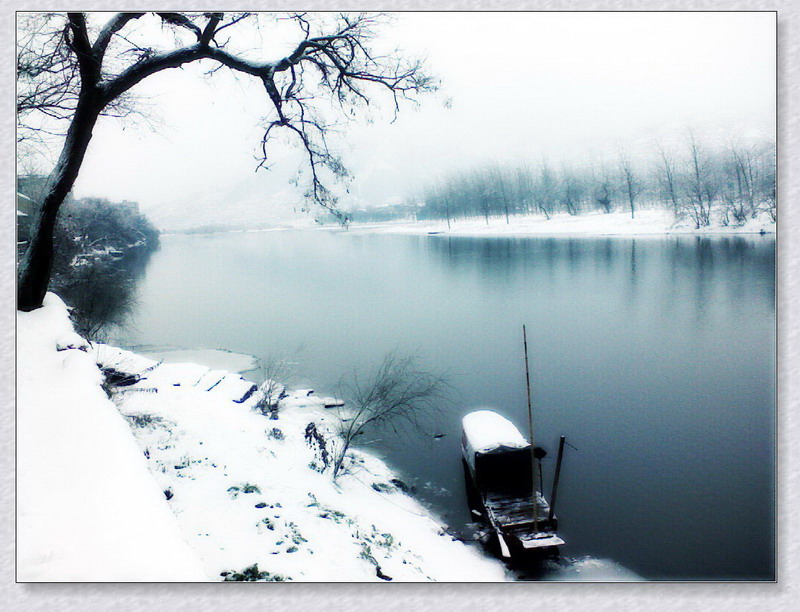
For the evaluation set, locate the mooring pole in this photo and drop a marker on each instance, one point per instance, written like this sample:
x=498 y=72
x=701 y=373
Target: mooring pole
x=530 y=429
x=556 y=477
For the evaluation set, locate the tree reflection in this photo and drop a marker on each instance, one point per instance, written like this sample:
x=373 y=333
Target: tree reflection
x=101 y=294
x=697 y=265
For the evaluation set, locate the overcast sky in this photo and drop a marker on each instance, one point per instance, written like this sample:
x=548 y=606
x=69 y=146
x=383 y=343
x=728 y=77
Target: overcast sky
x=566 y=86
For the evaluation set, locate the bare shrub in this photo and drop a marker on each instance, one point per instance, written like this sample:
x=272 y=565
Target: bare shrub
x=397 y=395
x=277 y=374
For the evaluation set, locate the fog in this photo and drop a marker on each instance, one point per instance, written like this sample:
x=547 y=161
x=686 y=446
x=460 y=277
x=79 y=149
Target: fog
x=565 y=86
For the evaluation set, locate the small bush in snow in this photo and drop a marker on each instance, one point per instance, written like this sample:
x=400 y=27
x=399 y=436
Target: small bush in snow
x=297 y=538
x=252 y=574
x=267 y=522
x=275 y=434
x=276 y=374
x=244 y=488
x=143 y=420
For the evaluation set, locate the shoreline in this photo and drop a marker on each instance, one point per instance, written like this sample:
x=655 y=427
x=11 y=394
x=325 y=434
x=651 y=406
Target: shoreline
x=222 y=490
x=649 y=222
x=174 y=464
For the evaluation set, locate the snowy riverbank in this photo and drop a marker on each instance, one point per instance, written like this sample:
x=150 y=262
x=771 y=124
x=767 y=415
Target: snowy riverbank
x=87 y=507
x=177 y=477
x=646 y=222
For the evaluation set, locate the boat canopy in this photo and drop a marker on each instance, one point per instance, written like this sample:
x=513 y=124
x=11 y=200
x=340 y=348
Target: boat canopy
x=497 y=454
x=485 y=431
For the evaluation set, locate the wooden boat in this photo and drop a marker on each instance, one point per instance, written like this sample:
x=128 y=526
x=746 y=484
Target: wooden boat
x=499 y=464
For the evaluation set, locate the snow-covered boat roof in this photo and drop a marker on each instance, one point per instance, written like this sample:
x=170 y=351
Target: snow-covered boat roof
x=486 y=431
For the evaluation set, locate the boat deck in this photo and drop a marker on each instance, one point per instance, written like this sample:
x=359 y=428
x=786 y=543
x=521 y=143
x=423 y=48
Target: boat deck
x=508 y=511
x=513 y=516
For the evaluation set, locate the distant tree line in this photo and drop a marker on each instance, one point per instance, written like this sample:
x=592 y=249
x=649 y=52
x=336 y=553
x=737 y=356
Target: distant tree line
x=377 y=214
x=100 y=248
x=725 y=185
x=90 y=229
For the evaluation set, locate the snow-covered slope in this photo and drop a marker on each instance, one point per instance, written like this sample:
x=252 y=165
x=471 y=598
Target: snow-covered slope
x=87 y=507
x=248 y=493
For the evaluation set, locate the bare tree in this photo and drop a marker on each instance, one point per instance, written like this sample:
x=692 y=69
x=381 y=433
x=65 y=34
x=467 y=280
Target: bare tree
x=630 y=182
x=524 y=187
x=546 y=188
x=765 y=180
x=497 y=179
x=74 y=74
x=482 y=193
x=447 y=202
x=572 y=190
x=397 y=394
x=603 y=189
x=668 y=179
x=699 y=186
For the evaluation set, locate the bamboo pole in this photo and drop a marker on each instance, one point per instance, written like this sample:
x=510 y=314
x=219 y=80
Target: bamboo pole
x=530 y=429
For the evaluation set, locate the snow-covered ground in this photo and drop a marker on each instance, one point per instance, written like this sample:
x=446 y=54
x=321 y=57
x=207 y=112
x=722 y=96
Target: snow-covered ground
x=646 y=222
x=177 y=477
x=87 y=507
x=218 y=359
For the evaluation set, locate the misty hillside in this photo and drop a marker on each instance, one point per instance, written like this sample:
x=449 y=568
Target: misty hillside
x=249 y=204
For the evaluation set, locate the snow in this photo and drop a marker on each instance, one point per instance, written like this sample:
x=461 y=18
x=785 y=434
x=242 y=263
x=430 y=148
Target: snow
x=651 y=221
x=246 y=492
x=179 y=479
x=87 y=507
x=486 y=430
x=588 y=569
x=218 y=359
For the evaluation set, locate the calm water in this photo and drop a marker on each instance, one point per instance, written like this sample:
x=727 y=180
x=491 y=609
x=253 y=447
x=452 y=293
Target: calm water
x=654 y=356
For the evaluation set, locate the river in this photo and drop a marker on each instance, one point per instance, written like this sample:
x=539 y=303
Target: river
x=655 y=356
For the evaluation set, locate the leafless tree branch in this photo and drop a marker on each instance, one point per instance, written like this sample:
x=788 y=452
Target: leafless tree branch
x=64 y=76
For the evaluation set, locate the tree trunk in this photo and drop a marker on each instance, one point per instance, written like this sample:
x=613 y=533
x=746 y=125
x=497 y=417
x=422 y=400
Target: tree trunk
x=36 y=265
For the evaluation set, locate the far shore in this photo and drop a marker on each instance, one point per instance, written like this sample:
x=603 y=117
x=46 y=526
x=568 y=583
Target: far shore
x=646 y=222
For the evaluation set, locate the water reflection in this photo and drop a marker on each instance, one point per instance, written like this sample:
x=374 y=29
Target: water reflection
x=685 y=263
x=101 y=293
x=633 y=275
